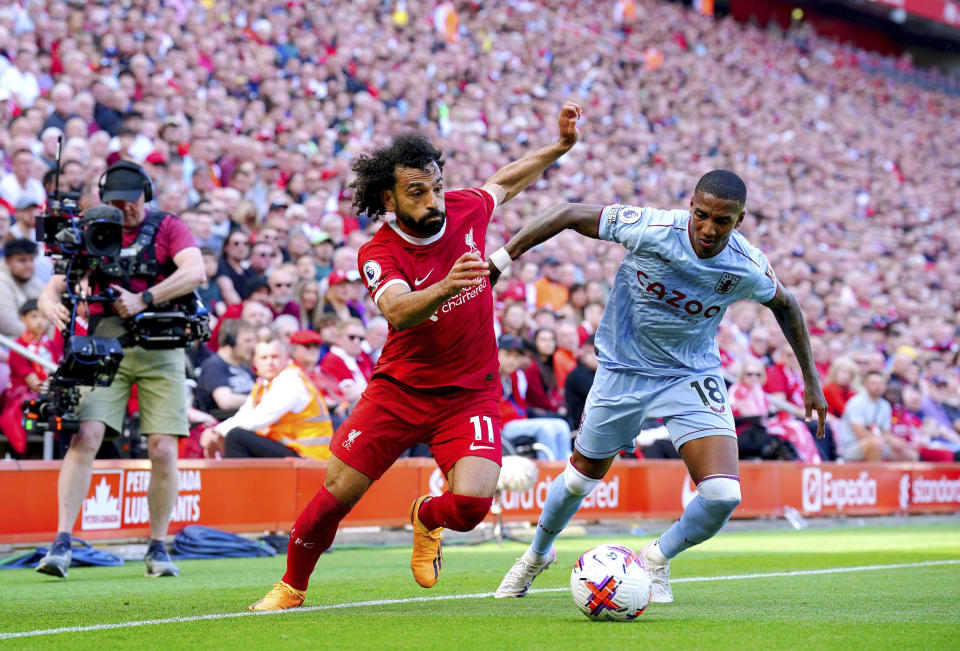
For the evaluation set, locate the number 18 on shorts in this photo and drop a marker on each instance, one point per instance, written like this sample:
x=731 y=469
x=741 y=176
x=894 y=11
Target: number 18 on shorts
x=691 y=406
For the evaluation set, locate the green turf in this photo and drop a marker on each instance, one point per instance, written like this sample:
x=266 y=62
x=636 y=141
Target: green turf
x=893 y=608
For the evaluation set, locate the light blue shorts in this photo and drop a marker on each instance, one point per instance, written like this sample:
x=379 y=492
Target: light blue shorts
x=691 y=406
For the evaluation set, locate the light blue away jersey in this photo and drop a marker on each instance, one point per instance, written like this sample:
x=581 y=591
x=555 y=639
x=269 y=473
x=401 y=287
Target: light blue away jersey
x=666 y=302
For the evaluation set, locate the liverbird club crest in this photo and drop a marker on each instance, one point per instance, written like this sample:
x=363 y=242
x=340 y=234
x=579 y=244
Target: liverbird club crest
x=727 y=282
x=468 y=238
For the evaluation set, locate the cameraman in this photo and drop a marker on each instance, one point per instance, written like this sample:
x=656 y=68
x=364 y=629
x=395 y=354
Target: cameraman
x=158 y=374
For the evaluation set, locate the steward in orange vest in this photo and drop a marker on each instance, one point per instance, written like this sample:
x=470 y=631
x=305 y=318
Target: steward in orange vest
x=283 y=407
x=307 y=431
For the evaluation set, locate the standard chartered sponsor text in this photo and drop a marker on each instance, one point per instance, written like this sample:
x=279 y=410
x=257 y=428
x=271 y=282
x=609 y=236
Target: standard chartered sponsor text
x=935 y=491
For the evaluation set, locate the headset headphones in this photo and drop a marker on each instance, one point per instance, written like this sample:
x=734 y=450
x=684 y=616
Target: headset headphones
x=133 y=167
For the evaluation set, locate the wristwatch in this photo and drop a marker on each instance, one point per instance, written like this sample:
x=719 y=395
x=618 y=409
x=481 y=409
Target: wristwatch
x=147 y=297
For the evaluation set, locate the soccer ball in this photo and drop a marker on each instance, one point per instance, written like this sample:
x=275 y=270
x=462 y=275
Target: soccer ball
x=610 y=583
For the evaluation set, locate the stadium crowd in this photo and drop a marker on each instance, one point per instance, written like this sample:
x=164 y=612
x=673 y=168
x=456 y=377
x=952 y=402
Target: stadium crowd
x=247 y=117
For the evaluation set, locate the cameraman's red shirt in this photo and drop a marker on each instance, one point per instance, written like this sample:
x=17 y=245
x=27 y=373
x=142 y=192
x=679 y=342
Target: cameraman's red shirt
x=173 y=236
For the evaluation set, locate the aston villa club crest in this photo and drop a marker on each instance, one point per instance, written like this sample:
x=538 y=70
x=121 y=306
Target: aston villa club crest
x=727 y=283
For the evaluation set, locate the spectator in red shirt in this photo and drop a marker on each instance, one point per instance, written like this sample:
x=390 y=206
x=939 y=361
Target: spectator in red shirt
x=305 y=353
x=784 y=380
x=843 y=383
x=26 y=376
x=346 y=362
x=544 y=395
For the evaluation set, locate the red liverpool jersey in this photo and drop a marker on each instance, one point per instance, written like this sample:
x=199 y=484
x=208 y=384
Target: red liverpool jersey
x=456 y=346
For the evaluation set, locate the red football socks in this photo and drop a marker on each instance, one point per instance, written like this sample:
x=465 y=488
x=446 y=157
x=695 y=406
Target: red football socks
x=456 y=512
x=312 y=534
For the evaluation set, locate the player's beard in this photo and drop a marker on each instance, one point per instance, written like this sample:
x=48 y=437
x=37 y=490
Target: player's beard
x=421 y=226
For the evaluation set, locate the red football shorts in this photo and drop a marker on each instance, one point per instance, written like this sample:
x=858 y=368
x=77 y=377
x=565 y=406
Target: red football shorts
x=390 y=419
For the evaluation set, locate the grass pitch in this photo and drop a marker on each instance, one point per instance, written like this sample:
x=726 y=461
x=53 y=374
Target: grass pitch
x=813 y=595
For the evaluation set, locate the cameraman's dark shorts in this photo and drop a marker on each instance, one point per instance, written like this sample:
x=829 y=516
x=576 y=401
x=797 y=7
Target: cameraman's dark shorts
x=161 y=391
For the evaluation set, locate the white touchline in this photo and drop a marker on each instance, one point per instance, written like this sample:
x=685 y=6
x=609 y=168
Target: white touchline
x=478 y=595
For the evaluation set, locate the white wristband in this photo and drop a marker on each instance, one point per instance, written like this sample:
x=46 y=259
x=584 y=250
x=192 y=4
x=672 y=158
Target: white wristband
x=501 y=259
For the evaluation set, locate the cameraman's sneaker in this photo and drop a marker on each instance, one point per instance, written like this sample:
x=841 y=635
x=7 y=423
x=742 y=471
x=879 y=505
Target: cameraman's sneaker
x=57 y=560
x=658 y=569
x=159 y=563
x=520 y=577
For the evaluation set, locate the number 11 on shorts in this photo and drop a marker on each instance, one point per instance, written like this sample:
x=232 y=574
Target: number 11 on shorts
x=478 y=430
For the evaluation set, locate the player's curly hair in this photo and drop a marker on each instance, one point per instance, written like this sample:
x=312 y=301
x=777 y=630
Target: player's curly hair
x=377 y=172
x=723 y=184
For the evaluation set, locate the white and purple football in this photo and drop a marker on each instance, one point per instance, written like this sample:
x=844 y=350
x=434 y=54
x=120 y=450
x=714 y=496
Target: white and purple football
x=610 y=583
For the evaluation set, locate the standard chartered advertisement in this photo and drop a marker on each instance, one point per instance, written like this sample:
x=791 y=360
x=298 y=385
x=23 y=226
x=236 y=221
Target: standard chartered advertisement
x=924 y=489
x=876 y=489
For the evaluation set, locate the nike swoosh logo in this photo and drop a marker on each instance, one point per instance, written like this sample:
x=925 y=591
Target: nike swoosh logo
x=418 y=281
x=474 y=446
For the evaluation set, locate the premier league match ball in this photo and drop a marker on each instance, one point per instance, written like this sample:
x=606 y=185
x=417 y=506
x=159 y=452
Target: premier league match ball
x=609 y=583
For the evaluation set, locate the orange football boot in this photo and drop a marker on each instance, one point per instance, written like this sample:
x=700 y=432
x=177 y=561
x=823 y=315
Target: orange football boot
x=426 y=561
x=281 y=597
